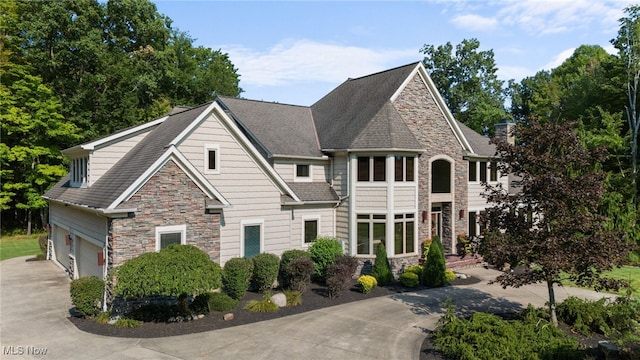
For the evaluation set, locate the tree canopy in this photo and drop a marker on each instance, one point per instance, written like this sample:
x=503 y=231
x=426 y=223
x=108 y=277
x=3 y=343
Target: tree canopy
x=549 y=225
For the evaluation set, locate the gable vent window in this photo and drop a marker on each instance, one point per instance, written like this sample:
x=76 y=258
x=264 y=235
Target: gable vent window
x=211 y=159
x=80 y=172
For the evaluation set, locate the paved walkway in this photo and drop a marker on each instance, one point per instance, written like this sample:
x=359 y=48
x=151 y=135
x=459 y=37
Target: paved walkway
x=34 y=305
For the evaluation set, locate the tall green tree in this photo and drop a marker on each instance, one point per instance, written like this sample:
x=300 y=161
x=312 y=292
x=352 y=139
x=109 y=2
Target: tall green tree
x=468 y=82
x=549 y=225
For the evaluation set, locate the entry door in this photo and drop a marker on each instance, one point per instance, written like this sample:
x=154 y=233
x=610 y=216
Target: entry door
x=436 y=221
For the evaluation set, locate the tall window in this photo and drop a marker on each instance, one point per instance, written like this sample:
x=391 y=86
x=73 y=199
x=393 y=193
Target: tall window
x=80 y=172
x=493 y=171
x=310 y=230
x=473 y=171
x=473 y=224
x=440 y=177
x=404 y=168
x=169 y=235
x=251 y=239
x=404 y=239
x=371 y=233
x=483 y=171
x=375 y=165
x=212 y=159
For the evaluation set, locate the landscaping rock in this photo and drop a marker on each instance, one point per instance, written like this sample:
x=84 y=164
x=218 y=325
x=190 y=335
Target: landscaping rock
x=279 y=299
x=228 y=317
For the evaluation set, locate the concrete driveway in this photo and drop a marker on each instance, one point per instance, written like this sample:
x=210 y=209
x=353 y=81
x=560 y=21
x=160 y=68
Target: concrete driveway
x=34 y=306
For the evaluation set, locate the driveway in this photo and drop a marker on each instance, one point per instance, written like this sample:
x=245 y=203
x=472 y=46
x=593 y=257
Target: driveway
x=34 y=306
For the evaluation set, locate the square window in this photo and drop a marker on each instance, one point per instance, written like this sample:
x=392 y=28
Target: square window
x=302 y=170
x=169 y=239
x=310 y=230
x=169 y=235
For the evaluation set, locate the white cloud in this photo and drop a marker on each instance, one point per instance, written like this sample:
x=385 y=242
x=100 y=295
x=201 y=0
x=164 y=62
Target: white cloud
x=293 y=61
x=559 y=59
x=474 y=22
x=506 y=72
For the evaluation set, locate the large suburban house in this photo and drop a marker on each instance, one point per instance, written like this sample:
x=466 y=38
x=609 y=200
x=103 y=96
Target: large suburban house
x=378 y=160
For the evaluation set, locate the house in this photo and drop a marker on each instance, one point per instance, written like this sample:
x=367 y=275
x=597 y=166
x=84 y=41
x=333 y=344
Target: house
x=378 y=160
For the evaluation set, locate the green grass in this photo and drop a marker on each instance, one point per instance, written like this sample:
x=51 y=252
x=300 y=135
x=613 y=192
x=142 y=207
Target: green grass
x=628 y=273
x=19 y=245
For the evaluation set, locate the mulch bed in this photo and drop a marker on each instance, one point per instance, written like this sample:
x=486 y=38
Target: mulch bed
x=315 y=297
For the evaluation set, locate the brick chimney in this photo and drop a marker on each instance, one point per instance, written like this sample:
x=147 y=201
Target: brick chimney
x=504 y=131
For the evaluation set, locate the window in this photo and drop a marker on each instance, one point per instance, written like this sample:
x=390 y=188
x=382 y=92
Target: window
x=310 y=230
x=404 y=234
x=212 y=159
x=168 y=235
x=493 y=171
x=473 y=224
x=483 y=171
x=302 y=172
x=375 y=164
x=473 y=171
x=404 y=168
x=440 y=177
x=251 y=238
x=80 y=172
x=371 y=233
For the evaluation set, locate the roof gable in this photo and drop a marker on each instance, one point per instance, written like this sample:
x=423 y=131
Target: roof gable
x=386 y=130
x=345 y=112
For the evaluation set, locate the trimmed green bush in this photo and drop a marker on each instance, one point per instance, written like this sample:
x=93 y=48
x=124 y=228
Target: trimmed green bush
x=416 y=269
x=236 y=277
x=173 y=271
x=381 y=268
x=212 y=301
x=265 y=271
x=409 y=279
x=323 y=252
x=449 y=275
x=367 y=283
x=86 y=295
x=435 y=265
x=296 y=268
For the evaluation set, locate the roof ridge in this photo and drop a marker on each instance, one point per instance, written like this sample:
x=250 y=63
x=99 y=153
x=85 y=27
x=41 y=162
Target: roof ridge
x=264 y=101
x=384 y=71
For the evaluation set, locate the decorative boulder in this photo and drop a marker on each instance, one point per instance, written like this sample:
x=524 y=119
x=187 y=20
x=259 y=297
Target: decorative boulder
x=279 y=299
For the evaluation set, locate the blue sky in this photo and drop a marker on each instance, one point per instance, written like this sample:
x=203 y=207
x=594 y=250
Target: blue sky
x=296 y=51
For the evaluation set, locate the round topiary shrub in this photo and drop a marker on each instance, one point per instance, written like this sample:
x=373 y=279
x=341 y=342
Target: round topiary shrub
x=323 y=252
x=265 y=271
x=236 y=277
x=221 y=302
x=416 y=269
x=409 y=279
x=173 y=271
x=296 y=268
x=86 y=295
x=381 y=268
x=367 y=283
x=435 y=265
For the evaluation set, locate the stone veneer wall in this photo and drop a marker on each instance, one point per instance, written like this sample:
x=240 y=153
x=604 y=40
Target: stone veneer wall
x=169 y=198
x=428 y=124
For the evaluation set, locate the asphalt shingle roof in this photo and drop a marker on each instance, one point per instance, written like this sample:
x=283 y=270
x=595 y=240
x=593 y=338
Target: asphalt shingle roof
x=314 y=191
x=480 y=144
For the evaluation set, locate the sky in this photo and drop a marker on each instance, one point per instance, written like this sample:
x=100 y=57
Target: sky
x=295 y=52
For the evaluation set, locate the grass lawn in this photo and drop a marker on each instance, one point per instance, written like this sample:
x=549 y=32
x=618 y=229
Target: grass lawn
x=628 y=273
x=19 y=245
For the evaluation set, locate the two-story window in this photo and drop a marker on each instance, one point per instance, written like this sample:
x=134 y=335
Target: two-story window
x=372 y=168
x=404 y=168
x=79 y=172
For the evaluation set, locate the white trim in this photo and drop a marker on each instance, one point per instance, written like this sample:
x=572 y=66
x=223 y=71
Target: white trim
x=297 y=178
x=182 y=229
x=251 y=222
x=304 y=220
x=207 y=149
x=171 y=154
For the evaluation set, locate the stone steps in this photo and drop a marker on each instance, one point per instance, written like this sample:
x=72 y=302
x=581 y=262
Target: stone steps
x=458 y=262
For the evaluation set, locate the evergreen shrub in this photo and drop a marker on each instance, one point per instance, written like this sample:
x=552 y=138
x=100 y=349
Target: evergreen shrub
x=265 y=271
x=435 y=265
x=323 y=252
x=236 y=277
x=296 y=268
x=381 y=268
x=87 y=295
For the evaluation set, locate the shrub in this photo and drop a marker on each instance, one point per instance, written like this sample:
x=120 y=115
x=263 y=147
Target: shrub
x=367 y=283
x=381 y=268
x=338 y=276
x=221 y=302
x=264 y=305
x=294 y=297
x=435 y=266
x=86 y=295
x=416 y=269
x=351 y=262
x=296 y=268
x=449 y=276
x=409 y=279
x=154 y=313
x=173 y=271
x=236 y=277
x=323 y=252
x=265 y=271
x=127 y=323
x=586 y=317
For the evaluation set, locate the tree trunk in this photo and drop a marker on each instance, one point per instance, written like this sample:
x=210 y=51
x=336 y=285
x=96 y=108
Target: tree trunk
x=552 y=303
x=28 y=222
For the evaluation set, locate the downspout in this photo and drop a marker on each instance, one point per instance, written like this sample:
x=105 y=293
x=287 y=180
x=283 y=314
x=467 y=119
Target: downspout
x=105 y=269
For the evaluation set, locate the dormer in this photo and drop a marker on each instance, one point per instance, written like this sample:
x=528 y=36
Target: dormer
x=79 y=170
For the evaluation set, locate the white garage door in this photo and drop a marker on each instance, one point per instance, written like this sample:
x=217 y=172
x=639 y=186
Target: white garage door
x=87 y=258
x=60 y=247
